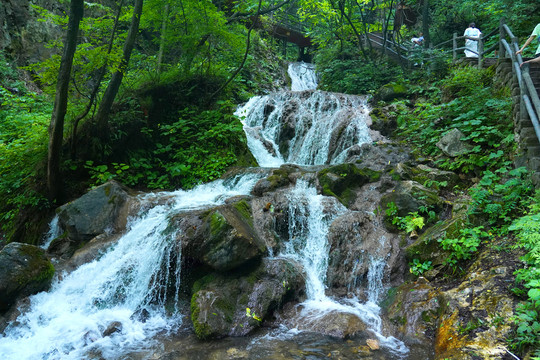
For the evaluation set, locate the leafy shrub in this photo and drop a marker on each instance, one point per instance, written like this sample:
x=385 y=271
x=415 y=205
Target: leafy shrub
x=345 y=72
x=527 y=230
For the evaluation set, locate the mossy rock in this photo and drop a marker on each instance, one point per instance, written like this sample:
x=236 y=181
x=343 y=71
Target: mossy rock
x=391 y=92
x=340 y=181
x=24 y=270
x=279 y=178
x=409 y=197
x=427 y=246
x=220 y=301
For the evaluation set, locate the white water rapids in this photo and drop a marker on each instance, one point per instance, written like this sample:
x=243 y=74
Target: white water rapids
x=67 y=322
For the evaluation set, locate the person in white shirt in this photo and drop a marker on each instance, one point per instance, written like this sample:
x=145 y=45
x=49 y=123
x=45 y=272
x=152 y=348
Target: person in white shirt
x=535 y=35
x=472 y=35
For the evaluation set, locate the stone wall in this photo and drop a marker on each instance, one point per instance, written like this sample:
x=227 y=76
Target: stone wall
x=525 y=136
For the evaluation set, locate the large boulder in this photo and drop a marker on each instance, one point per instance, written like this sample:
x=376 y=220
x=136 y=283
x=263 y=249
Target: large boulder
x=358 y=243
x=474 y=321
x=101 y=210
x=221 y=238
x=235 y=306
x=410 y=197
x=24 y=270
x=414 y=309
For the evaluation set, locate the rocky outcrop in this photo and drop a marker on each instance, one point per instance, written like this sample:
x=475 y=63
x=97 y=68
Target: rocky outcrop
x=358 y=240
x=341 y=180
x=22 y=35
x=101 y=210
x=467 y=320
x=24 y=270
x=235 y=306
x=221 y=238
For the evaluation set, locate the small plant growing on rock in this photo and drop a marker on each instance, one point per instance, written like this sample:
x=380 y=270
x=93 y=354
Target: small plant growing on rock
x=418 y=268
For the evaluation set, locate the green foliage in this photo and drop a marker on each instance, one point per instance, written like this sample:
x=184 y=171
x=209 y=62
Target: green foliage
x=527 y=230
x=482 y=114
x=463 y=247
x=24 y=117
x=343 y=70
x=500 y=196
x=418 y=268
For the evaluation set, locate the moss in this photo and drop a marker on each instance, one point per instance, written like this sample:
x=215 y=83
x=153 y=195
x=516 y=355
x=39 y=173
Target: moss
x=39 y=268
x=218 y=224
x=202 y=282
x=202 y=330
x=244 y=209
x=225 y=307
x=339 y=180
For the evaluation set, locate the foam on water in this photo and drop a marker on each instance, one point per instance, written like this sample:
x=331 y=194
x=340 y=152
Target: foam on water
x=134 y=274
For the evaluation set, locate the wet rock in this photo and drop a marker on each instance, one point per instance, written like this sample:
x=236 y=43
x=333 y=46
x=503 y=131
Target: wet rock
x=219 y=305
x=428 y=176
x=384 y=119
x=330 y=322
x=140 y=315
x=114 y=327
x=340 y=180
x=372 y=344
x=279 y=178
x=414 y=311
x=90 y=337
x=101 y=210
x=452 y=145
x=473 y=324
x=410 y=196
x=24 y=270
x=222 y=238
x=357 y=241
x=427 y=246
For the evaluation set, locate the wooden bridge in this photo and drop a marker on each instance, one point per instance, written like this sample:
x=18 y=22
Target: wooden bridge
x=522 y=79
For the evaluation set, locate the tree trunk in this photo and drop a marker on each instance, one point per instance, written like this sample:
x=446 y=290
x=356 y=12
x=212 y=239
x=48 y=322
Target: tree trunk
x=56 y=127
x=102 y=117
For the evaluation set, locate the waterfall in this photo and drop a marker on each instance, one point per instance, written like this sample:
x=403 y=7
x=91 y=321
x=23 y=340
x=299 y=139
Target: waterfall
x=135 y=282
x=130 y=279
x=303 y=76
x=304 y=127
x=53 y=233
x=310 y=216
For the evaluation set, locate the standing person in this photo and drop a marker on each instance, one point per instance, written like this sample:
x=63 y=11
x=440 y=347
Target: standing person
x=535 y=35
x=472 y=35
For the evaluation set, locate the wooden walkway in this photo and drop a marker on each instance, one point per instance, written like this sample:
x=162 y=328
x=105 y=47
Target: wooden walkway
x=523 y=80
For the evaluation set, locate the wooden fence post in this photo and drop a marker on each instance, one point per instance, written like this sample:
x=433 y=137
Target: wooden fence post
x=454 y=47
x=480 y=51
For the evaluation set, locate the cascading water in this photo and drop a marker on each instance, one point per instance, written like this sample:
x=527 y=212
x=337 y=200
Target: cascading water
x=304 y=127
x=131 y=283
x=133 y=276
x=303 y=76
x=310 y=216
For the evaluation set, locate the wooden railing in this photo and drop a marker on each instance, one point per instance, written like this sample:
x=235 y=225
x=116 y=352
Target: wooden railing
x=507 y=45
x=529 y=101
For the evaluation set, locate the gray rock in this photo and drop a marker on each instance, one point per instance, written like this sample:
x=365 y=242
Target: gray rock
x=101 y=210
x=452 y=145
x=113 y=327
x=24 y=270
x=222 y=238
x=219 y=306
x=357 y=239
